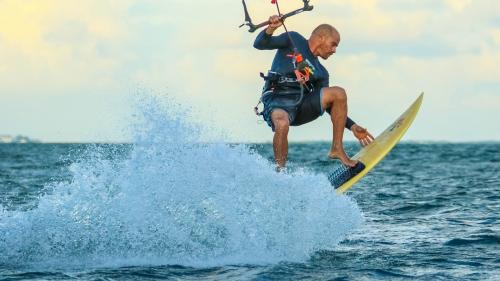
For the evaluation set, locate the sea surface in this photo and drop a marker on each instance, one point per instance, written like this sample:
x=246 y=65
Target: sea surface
x=170 y=207
x=429 y=211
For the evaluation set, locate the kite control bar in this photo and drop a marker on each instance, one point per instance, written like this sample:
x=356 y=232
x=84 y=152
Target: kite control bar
x=253 y=27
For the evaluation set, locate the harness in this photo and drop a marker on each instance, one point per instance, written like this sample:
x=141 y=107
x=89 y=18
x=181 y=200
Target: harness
x=282 y=85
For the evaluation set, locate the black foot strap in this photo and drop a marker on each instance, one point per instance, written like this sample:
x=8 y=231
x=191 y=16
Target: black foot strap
x=344 y=173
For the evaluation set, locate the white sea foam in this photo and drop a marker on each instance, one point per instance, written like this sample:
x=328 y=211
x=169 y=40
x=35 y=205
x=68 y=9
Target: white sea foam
x=176 y=200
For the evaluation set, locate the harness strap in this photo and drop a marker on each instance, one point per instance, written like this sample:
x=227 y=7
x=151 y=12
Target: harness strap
x=281 y=93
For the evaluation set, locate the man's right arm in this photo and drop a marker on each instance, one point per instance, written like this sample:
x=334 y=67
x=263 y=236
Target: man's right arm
x=266 y=41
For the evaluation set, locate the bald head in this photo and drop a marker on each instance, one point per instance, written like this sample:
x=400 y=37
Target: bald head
x=324 y=41
x=324 y=30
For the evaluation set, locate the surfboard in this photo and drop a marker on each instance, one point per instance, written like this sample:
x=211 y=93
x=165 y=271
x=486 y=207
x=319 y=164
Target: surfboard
x=373 y=153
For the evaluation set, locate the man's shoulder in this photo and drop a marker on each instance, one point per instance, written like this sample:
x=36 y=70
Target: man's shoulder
x=296 y=35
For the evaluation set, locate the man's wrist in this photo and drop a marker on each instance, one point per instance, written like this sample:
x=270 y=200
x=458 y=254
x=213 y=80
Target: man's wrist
x=352 y=126
x=270 y=31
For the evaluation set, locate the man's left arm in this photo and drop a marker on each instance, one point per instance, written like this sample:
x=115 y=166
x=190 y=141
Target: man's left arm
x=349 y=123
x=326 y=83
x=364 y=137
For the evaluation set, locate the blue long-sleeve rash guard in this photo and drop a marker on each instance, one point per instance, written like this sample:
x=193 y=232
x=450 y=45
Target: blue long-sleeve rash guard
x=283 y=64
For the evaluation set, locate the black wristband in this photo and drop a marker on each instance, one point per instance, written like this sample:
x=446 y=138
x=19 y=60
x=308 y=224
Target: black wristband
x=349 y=123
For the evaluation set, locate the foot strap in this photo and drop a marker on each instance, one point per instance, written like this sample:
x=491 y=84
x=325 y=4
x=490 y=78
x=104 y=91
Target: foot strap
x=344 y=173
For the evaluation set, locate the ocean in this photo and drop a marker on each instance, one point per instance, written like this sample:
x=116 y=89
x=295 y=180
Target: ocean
x=171 y=207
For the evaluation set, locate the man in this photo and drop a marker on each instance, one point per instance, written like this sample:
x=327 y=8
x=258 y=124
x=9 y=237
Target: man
x=280 y=113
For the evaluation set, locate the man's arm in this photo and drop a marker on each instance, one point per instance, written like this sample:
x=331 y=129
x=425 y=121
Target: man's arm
x=349 y=123
x=266 y=41
x=362 y=134
x=364 y=137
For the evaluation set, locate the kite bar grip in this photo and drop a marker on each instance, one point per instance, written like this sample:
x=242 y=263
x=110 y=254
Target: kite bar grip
x=254 y=27
x=287 y=15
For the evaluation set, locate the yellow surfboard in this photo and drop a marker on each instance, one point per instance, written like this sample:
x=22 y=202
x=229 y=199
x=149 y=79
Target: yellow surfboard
x=371 y=154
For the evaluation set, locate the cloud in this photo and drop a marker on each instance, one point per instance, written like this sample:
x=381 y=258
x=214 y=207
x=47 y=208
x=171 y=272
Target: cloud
x=54 y=46
x=99 y=51
x=458 y=5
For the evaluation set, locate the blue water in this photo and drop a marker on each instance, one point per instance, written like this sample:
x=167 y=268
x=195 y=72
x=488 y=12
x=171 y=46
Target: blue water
x=171 y=207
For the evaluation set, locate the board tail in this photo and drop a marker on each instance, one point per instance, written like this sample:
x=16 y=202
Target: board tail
x=344 y=173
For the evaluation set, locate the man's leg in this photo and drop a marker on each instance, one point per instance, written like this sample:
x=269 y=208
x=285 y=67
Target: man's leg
x=335 y=98
x=281 y=123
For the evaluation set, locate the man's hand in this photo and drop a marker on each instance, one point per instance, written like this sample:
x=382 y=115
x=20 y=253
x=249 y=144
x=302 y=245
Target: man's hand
x=274 y=22
x=362 y=135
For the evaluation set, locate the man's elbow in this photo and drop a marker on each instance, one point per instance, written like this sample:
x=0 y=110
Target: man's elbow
x=257 y=45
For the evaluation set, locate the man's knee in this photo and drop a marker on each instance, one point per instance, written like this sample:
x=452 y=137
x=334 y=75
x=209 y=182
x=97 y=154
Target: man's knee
x=332 y=95
x=280 y=120
x=337 y=93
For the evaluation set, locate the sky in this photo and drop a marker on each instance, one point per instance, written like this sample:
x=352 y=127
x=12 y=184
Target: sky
x=68 y=68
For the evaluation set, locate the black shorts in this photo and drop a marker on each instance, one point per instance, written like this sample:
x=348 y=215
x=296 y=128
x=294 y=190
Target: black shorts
x=308 y=110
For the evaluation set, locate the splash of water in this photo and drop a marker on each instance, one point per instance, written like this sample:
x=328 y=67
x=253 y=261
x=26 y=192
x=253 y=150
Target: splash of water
x=176 y=200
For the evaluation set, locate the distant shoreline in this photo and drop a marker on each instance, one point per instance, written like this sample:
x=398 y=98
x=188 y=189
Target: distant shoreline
x=424 y=142
x=17 y=139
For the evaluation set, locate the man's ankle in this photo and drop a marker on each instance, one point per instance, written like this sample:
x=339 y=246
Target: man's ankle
x=281 y=169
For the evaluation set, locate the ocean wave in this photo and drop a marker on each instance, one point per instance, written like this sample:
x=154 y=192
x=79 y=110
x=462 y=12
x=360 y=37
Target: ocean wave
x=177 y=200
x=474 y=240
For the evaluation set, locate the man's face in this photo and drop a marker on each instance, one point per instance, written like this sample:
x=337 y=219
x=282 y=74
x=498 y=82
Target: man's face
x=329 y=45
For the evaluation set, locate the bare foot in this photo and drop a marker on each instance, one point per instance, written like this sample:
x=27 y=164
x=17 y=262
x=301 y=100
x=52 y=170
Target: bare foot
x=342 y=156
x=280 y=169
